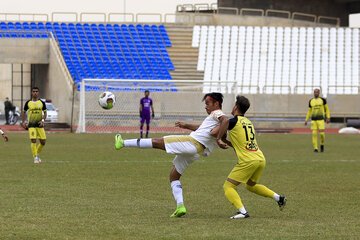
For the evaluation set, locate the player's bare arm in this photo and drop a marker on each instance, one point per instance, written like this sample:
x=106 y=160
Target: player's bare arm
x=183 y=125
x=224 y=125
x=41 y=122
x=23 y=124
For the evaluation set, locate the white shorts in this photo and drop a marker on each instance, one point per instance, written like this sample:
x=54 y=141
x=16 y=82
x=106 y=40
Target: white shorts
x=186 y=149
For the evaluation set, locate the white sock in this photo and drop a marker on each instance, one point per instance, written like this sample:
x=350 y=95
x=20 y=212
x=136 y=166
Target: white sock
x=140 y=143
x=276 y=197
x=242 y=210
x=177 y=192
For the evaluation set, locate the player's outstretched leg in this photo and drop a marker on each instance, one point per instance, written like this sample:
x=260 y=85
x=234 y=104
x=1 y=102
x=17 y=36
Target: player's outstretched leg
x=266 y=192
x=119 y=142
x=139 y=143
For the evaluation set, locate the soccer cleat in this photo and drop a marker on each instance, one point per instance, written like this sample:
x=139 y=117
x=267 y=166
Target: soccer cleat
x=321 y=148
x=180 y=211
x=315 y=151
x=282 y=202
x=240 y=215
x=119 y=142
x=37 y=160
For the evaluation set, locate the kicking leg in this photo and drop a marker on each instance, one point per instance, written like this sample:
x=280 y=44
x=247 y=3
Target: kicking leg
x=139 y=143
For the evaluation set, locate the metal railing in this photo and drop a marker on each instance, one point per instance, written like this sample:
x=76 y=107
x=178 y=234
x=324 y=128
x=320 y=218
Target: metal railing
x=25 y=34
x=181 y=10
x=19 y=16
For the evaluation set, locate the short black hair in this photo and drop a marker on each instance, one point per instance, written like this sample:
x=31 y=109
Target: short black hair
x=215 y=96
x=242 y=103
x=34 y=88
x=147 y=91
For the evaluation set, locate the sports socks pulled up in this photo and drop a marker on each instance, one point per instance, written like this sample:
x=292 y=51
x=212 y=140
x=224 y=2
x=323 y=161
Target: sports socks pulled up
x=140 y=143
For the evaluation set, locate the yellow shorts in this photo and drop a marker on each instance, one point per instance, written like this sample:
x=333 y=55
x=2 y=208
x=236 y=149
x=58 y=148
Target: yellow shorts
x=37 y=133
x=244 y=171
x=317 y=124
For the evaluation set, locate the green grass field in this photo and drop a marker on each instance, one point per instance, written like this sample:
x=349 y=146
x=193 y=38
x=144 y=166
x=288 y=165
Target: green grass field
x=84 y=189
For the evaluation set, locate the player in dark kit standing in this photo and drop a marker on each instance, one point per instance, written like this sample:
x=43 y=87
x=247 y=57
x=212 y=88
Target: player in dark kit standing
x=145 y=105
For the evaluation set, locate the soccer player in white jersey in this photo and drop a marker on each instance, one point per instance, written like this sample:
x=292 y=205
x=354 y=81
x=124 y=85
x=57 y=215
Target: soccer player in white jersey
x=4 y=135
x=186 y=148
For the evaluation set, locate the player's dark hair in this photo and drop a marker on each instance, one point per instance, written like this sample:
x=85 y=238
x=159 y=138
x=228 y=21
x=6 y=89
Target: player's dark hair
x=242 y=104
x=34 y=88
x=215 y=97
x=147 y=91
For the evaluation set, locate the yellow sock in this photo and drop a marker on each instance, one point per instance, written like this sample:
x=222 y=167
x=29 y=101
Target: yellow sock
x=322 y=138
x=314 y=139
x=33 y=149
x=232 y=195
x=260 y=190
x=39 y=148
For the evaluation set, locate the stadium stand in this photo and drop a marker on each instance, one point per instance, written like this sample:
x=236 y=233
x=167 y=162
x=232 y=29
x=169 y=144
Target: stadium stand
x=99 y=51
x=278 y=60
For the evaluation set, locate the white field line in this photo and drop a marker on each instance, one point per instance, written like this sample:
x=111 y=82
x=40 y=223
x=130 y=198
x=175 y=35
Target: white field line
x=170 y=161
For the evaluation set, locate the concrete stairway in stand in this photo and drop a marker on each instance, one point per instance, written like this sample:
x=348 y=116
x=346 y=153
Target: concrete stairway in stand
x=183 y=56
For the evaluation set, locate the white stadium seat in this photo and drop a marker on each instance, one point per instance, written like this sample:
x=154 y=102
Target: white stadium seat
x=277 y=60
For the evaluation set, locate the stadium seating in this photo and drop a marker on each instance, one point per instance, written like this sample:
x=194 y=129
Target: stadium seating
x=278 y=60
x=98 y=51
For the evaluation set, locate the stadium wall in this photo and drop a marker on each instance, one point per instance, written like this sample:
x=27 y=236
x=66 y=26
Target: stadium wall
x=47 y=72
x=331 y=8
x=237 y=20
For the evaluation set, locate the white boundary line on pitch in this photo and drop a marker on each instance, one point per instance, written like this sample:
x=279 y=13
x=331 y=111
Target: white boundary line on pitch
x=318 y=160
x=170 y=161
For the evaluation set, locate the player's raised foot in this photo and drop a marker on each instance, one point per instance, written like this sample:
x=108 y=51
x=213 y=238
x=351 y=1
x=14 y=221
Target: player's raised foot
x=282 y=202
x=179 y=212
x=315 y=151
x=119 y=142
x=321 y=148
x=240 y=215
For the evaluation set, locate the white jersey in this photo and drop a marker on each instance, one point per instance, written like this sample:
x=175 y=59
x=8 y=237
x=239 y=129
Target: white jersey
x=202 y=134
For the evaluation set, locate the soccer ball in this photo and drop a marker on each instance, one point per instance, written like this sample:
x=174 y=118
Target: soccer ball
x=107 y=100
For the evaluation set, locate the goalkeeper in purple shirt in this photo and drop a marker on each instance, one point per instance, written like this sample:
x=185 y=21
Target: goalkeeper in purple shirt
x=145 y=105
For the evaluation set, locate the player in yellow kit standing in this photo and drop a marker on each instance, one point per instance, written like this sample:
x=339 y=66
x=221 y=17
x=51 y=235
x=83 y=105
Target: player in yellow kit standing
x=251 y=161
x=36 y=116
x=317 y=108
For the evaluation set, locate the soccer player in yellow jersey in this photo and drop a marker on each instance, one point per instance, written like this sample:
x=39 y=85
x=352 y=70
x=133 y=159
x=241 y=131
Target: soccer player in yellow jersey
x=36 y=110
x=317 y=108
x=251 y=161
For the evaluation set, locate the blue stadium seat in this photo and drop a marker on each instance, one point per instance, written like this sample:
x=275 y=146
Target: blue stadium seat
x=105 y=51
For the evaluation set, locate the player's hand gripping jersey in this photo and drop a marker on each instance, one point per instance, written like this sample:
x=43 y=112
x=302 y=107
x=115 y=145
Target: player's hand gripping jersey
x=242 y=135
x=202 y=134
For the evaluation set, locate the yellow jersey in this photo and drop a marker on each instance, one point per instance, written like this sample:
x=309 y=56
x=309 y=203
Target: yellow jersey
x=35 y=111
x=242 y=135
x=317 y=108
